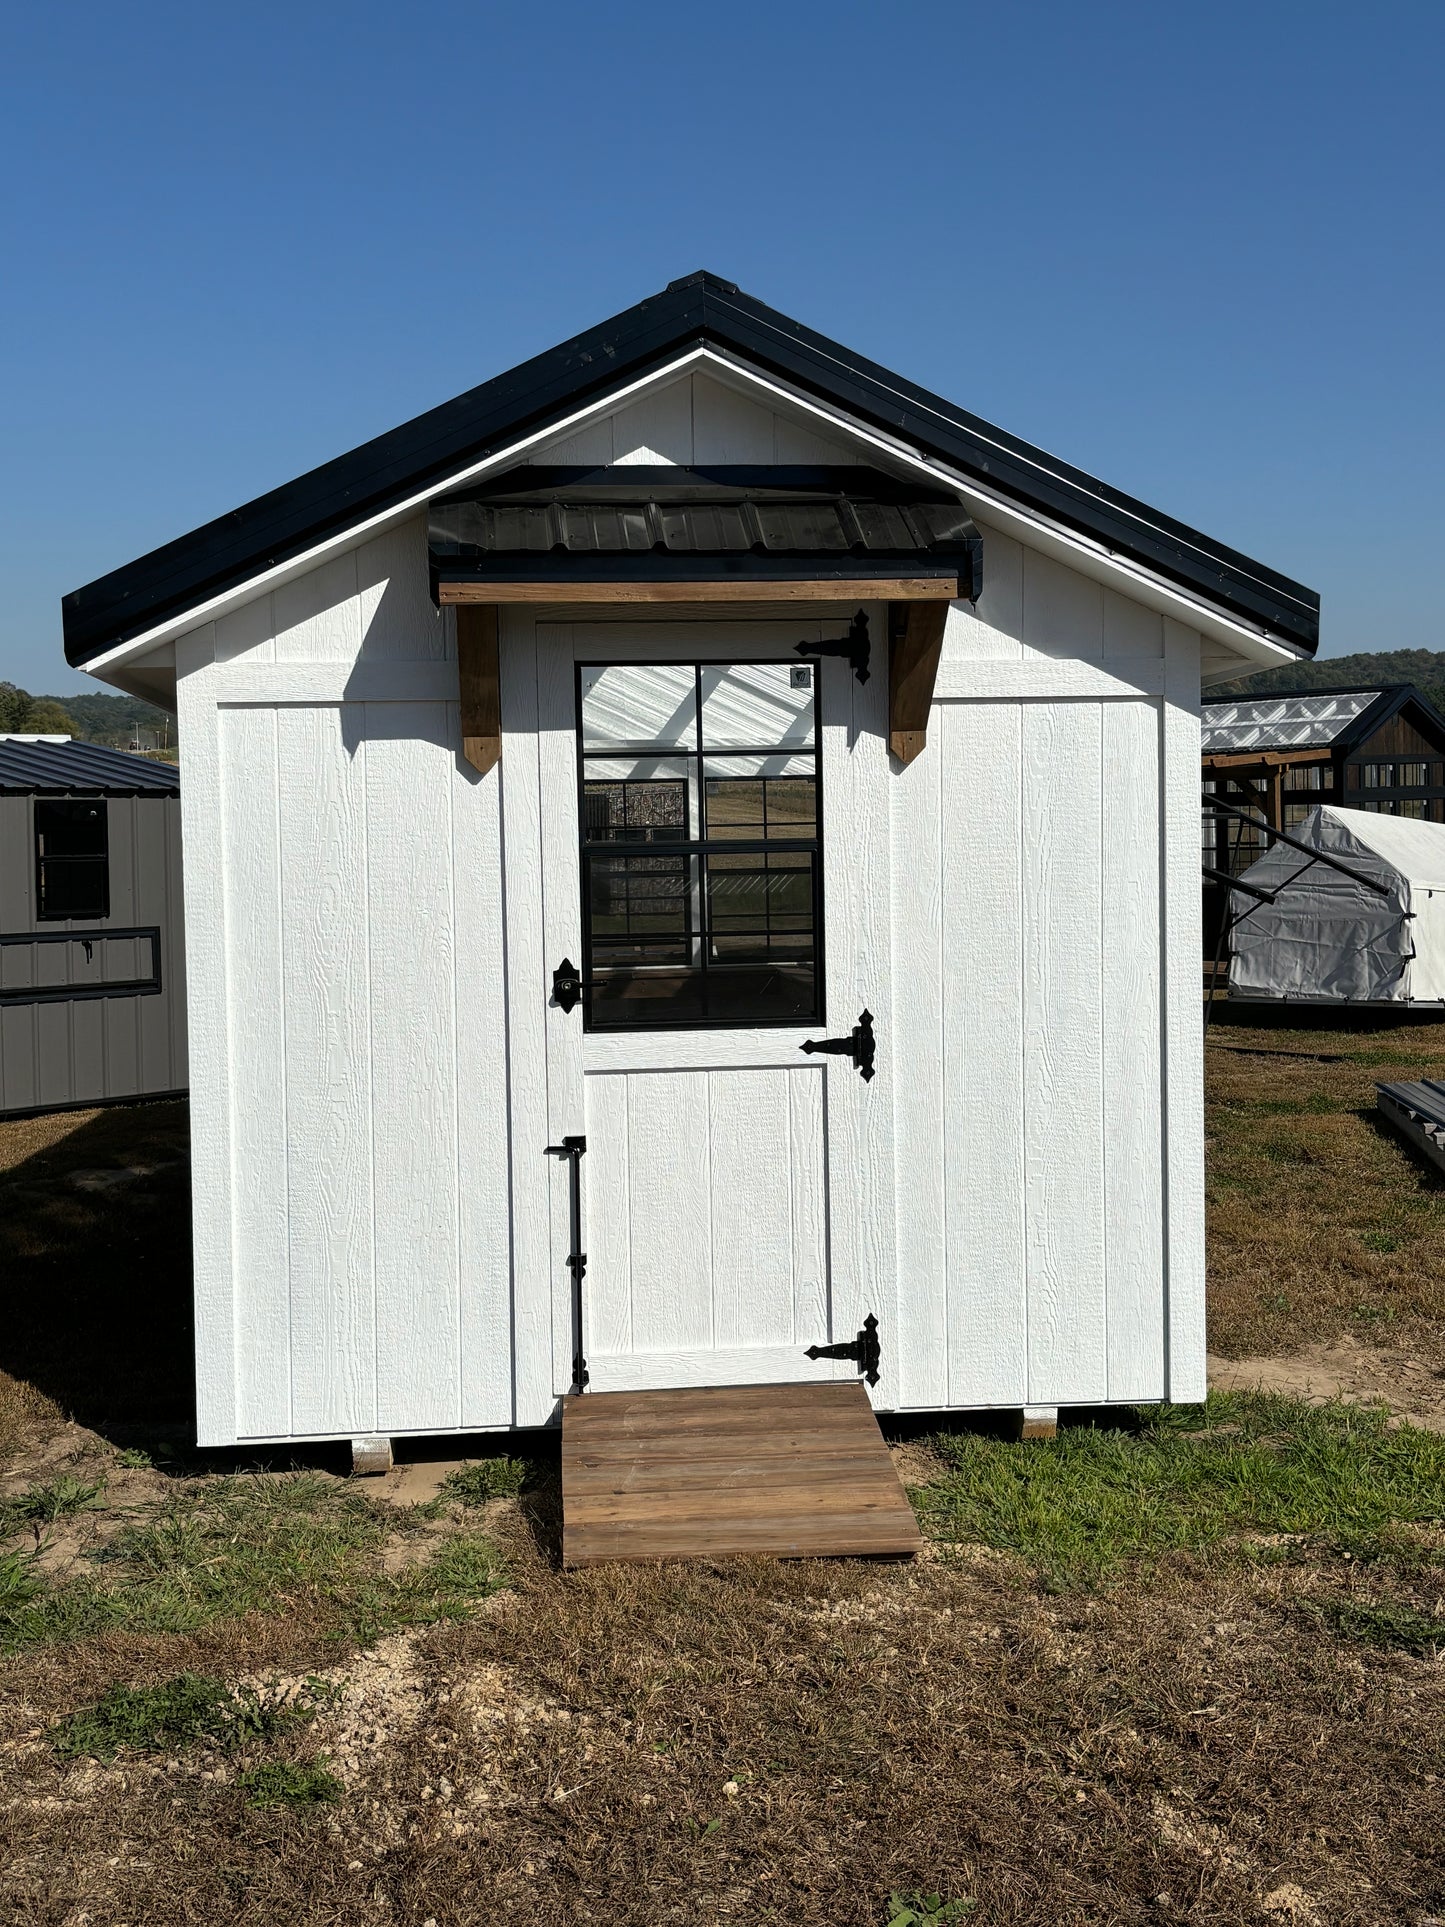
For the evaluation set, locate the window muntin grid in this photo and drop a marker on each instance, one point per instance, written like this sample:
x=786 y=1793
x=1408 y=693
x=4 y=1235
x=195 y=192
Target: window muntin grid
x=701 y=871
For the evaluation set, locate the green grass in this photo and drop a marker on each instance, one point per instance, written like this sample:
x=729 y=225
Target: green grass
x=473 y=1485
x=43 y=1504
x=1388 y=1622
x=917 y=1910
x=220 y=1548
x=162 y=1719
x=280 y=1784
x=1083 y=1505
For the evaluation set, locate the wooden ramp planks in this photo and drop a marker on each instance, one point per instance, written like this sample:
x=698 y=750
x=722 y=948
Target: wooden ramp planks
x=790 y=1471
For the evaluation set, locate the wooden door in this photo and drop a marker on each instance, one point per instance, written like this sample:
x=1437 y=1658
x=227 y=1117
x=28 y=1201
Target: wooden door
x=714 y=857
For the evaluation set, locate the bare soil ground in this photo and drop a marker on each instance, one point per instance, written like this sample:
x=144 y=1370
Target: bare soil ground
x=1215 y=1724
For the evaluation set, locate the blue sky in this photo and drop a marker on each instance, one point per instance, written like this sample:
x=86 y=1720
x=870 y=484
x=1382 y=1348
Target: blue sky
x=1194 y=249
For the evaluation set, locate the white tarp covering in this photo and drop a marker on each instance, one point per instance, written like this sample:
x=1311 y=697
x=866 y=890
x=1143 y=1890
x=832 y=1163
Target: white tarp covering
x=1327 y=935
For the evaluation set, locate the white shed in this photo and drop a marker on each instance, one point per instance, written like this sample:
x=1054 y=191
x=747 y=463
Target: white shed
x=705 y=747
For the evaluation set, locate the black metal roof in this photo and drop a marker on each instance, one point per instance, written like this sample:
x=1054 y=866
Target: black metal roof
x=701 y=309
x=72 y=768
x=644 y=523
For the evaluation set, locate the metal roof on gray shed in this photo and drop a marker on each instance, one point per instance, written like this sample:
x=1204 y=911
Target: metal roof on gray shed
x=1283 y=722
x=31 y=765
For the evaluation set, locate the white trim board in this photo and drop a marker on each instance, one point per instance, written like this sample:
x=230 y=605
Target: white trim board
x=1079 y=552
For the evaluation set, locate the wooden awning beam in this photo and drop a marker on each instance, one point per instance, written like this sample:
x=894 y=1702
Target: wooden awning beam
x=734 y=589
x=1264 y=759
x=915 y=644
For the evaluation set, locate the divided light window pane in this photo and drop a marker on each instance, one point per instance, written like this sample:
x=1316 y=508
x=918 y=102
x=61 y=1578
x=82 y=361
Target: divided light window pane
x=701 y=879
x=639 y=706
x=757 y=705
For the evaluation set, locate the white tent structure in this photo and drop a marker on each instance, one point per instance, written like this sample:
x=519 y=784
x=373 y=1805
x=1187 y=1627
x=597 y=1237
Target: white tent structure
x=1370 y=932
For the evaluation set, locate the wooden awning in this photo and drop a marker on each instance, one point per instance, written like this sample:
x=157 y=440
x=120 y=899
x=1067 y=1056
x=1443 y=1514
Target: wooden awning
x=637 y=536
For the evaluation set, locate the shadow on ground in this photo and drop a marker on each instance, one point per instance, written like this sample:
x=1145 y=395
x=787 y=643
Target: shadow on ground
x=95 y=1250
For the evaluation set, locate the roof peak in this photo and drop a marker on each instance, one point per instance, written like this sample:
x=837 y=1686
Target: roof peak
x=701 y=278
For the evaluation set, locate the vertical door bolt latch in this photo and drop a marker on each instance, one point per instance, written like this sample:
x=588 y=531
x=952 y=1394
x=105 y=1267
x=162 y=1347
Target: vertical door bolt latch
x=574 y=1149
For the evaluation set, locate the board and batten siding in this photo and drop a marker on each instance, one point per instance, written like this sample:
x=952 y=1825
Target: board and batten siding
x=345 y=925
x=1046 y=942
x=94 y=1050
x=355 y=1222
x=699 y=419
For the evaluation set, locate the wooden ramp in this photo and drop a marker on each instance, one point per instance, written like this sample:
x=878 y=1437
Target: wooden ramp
x=793 y=1471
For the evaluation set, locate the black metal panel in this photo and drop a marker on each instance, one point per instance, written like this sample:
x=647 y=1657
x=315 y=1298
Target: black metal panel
x=73 y=768
x=699 y=309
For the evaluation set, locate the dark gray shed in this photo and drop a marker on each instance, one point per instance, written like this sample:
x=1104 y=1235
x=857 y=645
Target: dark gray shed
x=92 y=943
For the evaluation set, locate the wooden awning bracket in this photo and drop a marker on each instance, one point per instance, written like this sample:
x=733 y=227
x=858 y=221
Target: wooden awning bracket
x=915 y=644
x=479 y=684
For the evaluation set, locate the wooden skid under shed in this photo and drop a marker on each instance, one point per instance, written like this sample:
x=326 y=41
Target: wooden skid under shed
x=788 y=1471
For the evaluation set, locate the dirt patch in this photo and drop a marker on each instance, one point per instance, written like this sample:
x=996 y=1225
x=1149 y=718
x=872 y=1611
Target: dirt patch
x=1412 y=1387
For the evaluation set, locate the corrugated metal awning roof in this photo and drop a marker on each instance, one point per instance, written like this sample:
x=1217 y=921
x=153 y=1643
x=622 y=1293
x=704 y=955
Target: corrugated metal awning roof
x=1283 y=722
x=65 y=766
x=672 y=522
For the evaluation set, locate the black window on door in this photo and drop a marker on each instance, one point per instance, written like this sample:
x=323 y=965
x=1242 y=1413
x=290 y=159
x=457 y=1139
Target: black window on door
x=72 y=858
x=701 y=876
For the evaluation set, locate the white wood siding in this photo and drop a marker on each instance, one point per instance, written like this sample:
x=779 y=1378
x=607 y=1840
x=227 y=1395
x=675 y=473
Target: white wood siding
x=364 y=1007
x=699 y=419
x=353 y=1258
x=1046 y=994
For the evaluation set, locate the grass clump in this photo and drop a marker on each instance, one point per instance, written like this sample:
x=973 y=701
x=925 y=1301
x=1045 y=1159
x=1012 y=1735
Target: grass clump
x=215 y=1549
x=42 y=1505
x=1388 y=1623
x=279 y=1783
x=474 y=1485
x=1088 y=1502
x=180 y=1712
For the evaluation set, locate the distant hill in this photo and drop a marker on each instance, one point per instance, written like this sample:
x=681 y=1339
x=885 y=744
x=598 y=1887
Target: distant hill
x=112 y=720
x=1423 y=667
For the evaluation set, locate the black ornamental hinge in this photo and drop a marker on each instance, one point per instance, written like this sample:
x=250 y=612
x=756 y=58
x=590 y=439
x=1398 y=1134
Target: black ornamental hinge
x=864 y=1350
x=855 y=648
x=860 y=1044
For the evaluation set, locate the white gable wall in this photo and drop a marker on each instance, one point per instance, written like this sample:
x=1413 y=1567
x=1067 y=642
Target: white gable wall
x=699 y=420
x=346 y=926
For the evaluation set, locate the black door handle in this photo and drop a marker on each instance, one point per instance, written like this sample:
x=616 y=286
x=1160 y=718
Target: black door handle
x=859 y=1044
x=566 y=984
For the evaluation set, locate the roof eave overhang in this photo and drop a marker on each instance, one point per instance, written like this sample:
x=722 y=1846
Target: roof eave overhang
x=1276 y=620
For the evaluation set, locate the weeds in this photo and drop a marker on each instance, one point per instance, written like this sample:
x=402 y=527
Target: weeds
x=181 y=1712
x=1082 y=1505
x=474 y=1485
x=280 y=1784
x=60 y=1498
x=916 y=1910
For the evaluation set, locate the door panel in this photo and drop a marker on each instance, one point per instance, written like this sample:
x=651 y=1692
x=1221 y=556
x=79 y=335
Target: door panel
x=737 y=1194
x=707 y=1201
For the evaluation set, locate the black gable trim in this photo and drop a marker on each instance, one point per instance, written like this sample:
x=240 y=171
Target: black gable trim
x=699 y=309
